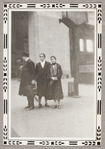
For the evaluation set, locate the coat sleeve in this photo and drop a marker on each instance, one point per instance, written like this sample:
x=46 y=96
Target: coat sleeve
x=31 y=67
x=36 y=72
x=48 y=71
x=60 y=72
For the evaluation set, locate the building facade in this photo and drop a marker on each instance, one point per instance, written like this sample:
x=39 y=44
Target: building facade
x=67 y=35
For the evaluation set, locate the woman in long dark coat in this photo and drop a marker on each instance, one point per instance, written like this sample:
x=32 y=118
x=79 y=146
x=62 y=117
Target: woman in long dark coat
x=54 y=91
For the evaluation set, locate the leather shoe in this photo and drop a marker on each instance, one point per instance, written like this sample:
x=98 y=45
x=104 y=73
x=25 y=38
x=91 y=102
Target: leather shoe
x=54 y=106
x=27 y=107
x=31 y=108
x=40 y=105
x=59 y=107
x=46 y=105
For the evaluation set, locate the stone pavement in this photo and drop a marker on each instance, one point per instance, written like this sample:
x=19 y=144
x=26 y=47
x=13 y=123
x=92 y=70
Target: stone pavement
x=76 y=118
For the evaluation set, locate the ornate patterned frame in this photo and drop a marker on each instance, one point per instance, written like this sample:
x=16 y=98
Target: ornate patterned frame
x=19 y=6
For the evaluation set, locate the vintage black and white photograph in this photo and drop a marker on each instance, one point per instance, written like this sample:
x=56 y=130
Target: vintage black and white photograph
x=53 y=73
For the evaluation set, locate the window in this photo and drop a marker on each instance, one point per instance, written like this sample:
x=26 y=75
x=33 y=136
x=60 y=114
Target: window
x=81 y=43
x=89 y=45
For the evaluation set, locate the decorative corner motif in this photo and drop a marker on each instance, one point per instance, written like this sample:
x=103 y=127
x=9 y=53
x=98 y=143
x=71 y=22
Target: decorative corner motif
x=14 y=5
x=99 y=5
x=99 y=15
x=5 y=5
x=5 y=142
x=5 y=14
x=97 y=142
x=12 y=142
x=90 y=5
x=5 y=133
x=98 y=133
x=89 y=143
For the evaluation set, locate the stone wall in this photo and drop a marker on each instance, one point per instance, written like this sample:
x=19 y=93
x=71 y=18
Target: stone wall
x=47 y=35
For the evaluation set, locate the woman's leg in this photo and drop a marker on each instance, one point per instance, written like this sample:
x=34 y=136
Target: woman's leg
x=40 y=105
x=28 y=99
x=55 y=104
x=59 y=106
x=31 y=103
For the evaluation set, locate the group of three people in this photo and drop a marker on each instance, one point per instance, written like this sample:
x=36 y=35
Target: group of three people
x=48 y=78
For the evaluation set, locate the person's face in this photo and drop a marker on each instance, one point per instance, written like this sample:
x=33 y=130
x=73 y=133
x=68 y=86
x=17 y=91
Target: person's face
x=53 y=60
x=42 y=58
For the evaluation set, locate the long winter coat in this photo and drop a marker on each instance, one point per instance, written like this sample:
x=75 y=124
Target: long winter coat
x=54 y=86
x=28 y=74
x=41 y=78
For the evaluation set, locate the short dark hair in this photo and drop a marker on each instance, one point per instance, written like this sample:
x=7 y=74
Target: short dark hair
x=53 y=57
x=25 y=54
x=42 y=54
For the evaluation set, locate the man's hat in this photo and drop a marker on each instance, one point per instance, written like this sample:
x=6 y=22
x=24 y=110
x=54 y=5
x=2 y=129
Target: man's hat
x=25 y=54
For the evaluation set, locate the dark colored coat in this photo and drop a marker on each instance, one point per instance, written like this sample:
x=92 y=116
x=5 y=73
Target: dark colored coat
x=28 y=74
x=41 y=78
x=54 y=86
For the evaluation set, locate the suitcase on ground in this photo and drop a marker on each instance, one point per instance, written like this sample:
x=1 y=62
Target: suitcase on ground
x=70 y=88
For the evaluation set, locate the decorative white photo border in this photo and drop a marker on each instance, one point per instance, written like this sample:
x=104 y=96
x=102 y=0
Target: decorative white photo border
x=6 y=64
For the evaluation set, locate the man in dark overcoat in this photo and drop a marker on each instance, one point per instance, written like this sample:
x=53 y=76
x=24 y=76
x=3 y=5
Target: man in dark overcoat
x=41 y=78
x=27 y=76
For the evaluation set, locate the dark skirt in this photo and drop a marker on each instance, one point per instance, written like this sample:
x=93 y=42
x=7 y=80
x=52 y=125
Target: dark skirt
x=41 y=89
x=54 y=91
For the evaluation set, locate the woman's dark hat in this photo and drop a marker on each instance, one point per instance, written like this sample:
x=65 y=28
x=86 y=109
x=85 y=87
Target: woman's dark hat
x=25 y=54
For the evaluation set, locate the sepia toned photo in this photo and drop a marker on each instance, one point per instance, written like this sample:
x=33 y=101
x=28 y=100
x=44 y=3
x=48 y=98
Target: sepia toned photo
x=53 y=52
x=53 y=71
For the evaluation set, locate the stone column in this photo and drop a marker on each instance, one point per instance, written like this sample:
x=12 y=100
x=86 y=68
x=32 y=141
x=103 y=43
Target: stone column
x=76 y=62
x=33 y=35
